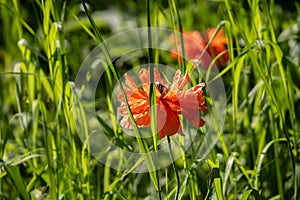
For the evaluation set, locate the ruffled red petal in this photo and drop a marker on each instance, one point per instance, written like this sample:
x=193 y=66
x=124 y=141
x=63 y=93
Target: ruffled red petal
x=168 y=122
x=169 y=105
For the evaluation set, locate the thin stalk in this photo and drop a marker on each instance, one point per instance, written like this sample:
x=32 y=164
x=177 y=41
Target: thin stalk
x=175 y=168
x=142 y=144
x=152 y=92
x=175 y=15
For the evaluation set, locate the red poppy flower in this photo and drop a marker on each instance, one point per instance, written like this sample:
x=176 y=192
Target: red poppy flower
x=217 y=46
x=195 y=42
x=171 y=101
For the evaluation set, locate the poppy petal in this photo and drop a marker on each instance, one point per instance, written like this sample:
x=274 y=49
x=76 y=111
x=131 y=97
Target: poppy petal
x=170 y=102
x=129 y=82
x=191 y=101
x=144 y=75
x=168 y=122
x=141 y=119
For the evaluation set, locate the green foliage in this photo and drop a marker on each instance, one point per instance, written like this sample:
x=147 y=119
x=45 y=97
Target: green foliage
x=42 y=45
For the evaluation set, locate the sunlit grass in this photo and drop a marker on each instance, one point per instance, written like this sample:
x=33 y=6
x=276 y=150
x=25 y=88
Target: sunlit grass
x=43 y=44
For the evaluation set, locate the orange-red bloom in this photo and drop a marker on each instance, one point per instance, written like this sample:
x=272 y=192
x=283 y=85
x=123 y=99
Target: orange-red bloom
x=195 y=42
x=171 y=101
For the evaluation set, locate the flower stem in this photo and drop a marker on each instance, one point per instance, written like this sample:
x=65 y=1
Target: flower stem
x=152 y=91
x=175 y=168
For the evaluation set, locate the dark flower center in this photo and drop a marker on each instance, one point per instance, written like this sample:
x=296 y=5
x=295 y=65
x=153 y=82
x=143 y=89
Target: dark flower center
x=162 y=88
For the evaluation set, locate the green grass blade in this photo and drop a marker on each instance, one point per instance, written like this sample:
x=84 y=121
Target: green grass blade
x=217 y=178
x=17 y=180
x=246 y=194
x=228 y=169
x=141 y=142
x=176 y=18
x=217 y=182
x=297 y=182
x=260 y=161
x=152 y=94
